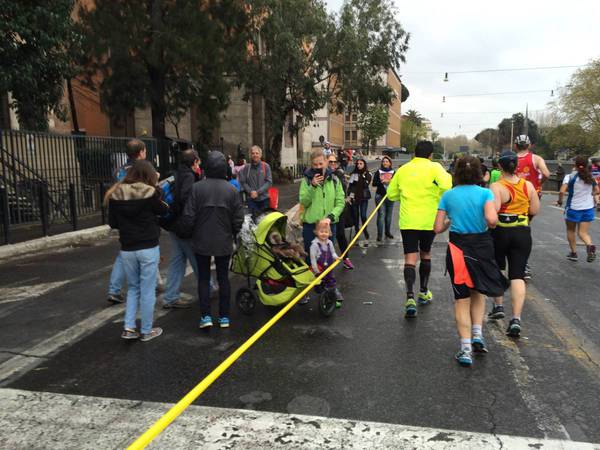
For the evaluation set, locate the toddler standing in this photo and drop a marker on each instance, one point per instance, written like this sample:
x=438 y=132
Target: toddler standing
x=322 y=255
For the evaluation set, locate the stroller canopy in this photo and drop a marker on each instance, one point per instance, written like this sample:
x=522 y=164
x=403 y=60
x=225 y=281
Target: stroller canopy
x=274 y=220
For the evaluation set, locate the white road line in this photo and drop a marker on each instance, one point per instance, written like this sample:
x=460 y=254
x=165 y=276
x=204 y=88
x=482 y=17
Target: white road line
x=16 y=294
x=47 y=420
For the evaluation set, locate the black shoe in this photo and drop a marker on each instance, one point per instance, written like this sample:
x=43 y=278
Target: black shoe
x=497 y=312
x=389 y=236
x=572 y=256
x=514 y=328
x=379 y=239
x=115 y=298
x=591 y=253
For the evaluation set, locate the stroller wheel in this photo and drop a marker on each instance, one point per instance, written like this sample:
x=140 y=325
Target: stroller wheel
x=246 y=300
x=327 y=302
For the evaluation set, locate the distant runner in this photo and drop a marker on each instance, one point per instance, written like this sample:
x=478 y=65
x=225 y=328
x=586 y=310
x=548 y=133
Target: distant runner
x=582 y=196
x=418 y=185
x=531 y=168
x=516 y=201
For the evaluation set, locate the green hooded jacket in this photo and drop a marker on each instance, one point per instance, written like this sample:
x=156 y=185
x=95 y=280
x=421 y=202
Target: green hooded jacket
x=323 y=201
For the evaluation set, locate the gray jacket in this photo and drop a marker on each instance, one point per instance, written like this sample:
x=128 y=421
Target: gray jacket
x=214 y=213
x=256 y=177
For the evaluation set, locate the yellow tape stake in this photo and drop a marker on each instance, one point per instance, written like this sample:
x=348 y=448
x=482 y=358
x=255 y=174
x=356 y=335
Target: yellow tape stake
x=162 y=423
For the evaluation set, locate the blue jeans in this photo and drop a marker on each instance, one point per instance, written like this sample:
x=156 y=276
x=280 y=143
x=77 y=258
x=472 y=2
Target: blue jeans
x=257 y=206
x=308 y=234
x=359 y=209
x=384 y=216
x=141 y=268
x=222 y=265
x=181 y=253
x=117 y=277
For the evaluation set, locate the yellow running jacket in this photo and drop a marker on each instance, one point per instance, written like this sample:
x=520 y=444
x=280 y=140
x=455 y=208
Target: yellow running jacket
x=419 y=185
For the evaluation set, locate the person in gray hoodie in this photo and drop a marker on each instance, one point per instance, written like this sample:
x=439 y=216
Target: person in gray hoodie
x=212 y=217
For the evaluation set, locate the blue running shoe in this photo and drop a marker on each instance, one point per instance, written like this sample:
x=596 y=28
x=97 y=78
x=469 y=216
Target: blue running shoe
x=478 y=344
x=205 y=322
x=410 y=308
x=425 y=298
x=224 y=322
x=464 y=358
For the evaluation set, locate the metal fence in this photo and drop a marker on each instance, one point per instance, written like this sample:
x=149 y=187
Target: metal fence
x=49 y=179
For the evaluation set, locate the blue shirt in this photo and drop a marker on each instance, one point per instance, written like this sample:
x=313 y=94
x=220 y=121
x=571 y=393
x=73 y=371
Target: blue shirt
x=235 y=184
x=464 y=206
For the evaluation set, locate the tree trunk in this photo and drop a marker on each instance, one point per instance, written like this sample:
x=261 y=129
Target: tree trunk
x=72 y=106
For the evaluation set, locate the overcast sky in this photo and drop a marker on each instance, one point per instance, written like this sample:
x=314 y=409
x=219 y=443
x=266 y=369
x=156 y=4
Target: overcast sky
x=450 y=36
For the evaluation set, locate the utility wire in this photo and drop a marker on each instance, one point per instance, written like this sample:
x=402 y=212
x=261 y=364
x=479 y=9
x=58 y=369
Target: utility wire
x=498 y=93
x=517 y=69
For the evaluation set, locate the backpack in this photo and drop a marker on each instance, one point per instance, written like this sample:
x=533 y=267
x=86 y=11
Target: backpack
x=167 y=186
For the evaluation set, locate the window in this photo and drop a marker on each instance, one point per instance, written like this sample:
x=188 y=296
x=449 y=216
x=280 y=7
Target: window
x=354 y=117
x=354 y=135
x=347 y=135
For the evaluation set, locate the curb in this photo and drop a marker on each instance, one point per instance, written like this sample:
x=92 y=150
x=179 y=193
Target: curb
x=62 y=240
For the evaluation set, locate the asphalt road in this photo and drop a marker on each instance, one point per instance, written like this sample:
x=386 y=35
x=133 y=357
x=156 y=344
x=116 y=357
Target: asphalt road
x=364 y=363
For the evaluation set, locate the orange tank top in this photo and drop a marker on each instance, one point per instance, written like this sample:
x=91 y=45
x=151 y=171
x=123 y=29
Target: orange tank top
x=517 y=206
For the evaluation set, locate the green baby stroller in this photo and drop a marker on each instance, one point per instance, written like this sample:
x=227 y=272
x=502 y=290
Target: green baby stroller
x=278 y=279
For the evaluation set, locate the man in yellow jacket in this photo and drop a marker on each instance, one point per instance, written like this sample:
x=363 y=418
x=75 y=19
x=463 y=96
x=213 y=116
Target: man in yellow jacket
x=418 y=185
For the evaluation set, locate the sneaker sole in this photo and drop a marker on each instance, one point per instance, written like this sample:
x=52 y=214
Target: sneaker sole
x=496 y=316
x=423 y=302
x=464 y=363
x=591 y=258
x=479 y=348
x=573 y=259
x=130 y=338
x=223 y=325
x=205 y=325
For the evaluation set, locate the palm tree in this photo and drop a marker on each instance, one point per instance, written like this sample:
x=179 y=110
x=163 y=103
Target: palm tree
x=415 y=117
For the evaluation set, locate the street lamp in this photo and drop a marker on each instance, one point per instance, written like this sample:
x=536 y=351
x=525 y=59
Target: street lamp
x=446 y=77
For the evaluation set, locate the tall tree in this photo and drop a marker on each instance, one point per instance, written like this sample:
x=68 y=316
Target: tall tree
x=304 y=58
x=571 y=137
x=518 y=126
x=166 y=54
x=373 y=124
x=580 y=99
x=488 y=138
x=411 y=133
x=37 y=38
x=415 y=117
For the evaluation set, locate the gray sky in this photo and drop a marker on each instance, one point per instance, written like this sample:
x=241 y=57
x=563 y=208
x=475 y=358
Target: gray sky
x=463 y=35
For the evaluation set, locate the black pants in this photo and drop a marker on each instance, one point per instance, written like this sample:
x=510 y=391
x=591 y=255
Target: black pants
x=222 y=263
x=340 y=235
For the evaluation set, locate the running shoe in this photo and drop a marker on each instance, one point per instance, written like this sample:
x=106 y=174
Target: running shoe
x=424 y=298
x=205 y=322
x=224 y=322
x=379 y=239
x=591 y=253
x=497 y=312
x=177 y=304
x=572 y=256
x=478 y=344
x=154 y=333
x=338 y=295
x=389 y=236
x=527 y=276
x=304 y=300
x=338 y=304
x=348 y=264
x=464 y=358
x=410 y=308
x=514 y=328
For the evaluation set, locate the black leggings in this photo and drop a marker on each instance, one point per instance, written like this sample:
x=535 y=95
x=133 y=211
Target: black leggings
x=222 y=265
x=512 y=244
x=340 y=235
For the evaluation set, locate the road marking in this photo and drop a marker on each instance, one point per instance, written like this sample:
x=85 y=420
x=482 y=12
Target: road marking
x=16 y=294
x=47 y=420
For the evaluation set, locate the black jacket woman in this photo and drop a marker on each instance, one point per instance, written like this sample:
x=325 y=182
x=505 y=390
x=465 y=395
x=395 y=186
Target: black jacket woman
x=358 y=190
x=213 y=216
x=381 y=181
x=134 y=205
x=346 y=219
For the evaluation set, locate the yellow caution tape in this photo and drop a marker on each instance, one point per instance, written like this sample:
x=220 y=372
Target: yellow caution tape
x=186 y=401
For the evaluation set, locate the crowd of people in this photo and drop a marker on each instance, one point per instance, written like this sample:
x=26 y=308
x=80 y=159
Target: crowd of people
x=488 y=213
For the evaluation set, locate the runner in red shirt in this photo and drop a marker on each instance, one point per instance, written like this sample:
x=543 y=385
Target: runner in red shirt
x=531 y=168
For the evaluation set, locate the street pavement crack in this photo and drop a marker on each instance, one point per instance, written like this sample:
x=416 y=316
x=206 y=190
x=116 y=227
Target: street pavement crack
x=490 y=411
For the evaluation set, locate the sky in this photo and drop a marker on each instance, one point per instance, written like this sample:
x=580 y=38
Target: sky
x=465 y=35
